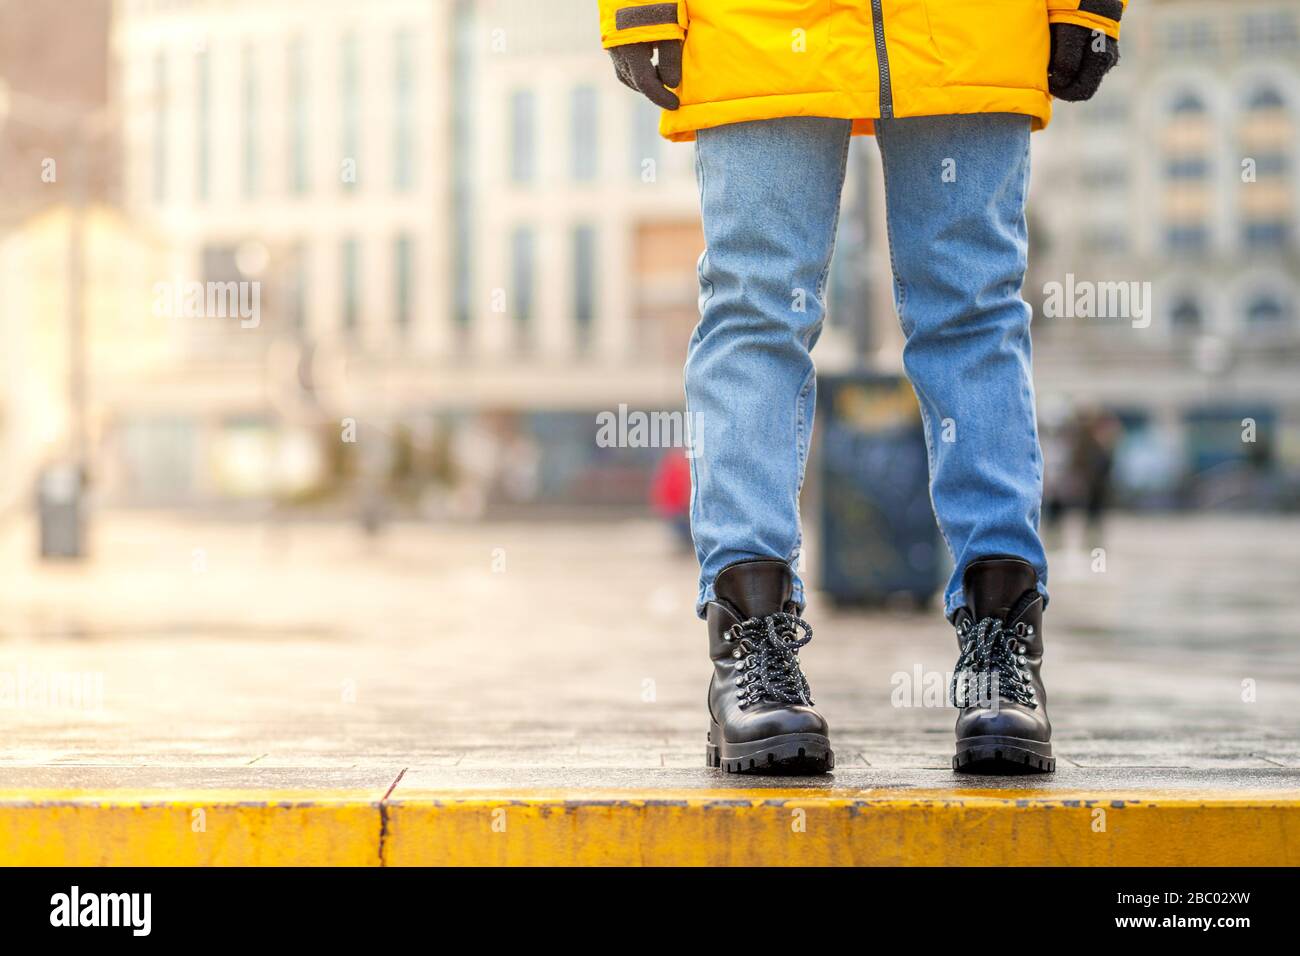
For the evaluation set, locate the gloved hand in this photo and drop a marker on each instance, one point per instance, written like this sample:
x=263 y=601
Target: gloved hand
x=1080 y=58
x=633 y=65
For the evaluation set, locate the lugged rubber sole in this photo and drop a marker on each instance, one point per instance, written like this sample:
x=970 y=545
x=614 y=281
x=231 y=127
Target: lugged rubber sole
x=783 y=754
x=1003 y=755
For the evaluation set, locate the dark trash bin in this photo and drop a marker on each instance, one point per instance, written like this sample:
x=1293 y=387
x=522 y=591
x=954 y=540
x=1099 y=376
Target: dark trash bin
x=878 y=541
x=60 y=494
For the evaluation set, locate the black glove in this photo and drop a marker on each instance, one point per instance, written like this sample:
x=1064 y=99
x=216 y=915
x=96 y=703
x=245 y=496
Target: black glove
x=634 y=68
x=1080 y=58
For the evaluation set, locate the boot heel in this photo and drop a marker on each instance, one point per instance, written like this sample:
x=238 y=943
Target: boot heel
x=712 y=753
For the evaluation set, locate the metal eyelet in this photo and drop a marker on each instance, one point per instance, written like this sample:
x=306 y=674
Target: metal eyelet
x=736 y=654
x=1021 y=629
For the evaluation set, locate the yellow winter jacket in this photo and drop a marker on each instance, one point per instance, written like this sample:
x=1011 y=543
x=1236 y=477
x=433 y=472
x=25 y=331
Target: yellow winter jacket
x=854 y=59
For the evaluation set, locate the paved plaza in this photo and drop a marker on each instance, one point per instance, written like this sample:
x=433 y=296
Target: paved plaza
x=306 y=656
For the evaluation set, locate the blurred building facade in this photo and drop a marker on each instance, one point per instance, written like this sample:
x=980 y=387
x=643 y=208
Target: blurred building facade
x=467 y=239
x=301 y=149
x=1182 y=173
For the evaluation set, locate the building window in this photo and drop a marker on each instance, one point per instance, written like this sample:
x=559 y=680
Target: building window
x=1261 y=234
x=1187 y=103
x=297 y=116
x=1272 y=31
x=1266 y=132
x=1187 y=167
x=1190 y=36
x=463 y=173
x=1267 y=312
x=1265 y=98
x=402 y=256
x=523 y=136
x=1186 y=316
x=298 y=288
x=202 y=124
x=160 y=130
x=252 y=118
x=350 y=112
x=646 y=141
x=584 y=283
x=350 y=256
x=1187 y=170
x=403 y=113
x=1187 y=238
x=583 y=136
x=1271 y=164
x=522 y=266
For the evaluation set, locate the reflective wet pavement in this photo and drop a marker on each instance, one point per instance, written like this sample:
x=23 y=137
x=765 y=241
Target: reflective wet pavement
x=211 y=654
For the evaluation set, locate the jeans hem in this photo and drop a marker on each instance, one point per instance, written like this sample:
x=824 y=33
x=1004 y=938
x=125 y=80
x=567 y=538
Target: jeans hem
x=707 y=594
x=957 y=600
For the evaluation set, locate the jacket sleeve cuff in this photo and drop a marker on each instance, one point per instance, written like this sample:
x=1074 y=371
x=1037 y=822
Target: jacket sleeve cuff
x=1103 y=15
x=641 y=21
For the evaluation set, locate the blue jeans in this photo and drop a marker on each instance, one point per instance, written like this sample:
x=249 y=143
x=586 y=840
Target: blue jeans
x=955 y=194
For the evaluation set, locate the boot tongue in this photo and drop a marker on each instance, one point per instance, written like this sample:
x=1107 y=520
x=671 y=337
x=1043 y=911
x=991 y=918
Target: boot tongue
x=756 y=588
x=994 y=586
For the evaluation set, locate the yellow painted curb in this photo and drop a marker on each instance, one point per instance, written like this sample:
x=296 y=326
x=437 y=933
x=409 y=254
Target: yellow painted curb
x=203 y=828
x=857 y=828
x=668 y=827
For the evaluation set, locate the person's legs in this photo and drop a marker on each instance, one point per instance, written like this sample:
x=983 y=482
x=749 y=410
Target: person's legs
x=770 y=194
x=955 y=193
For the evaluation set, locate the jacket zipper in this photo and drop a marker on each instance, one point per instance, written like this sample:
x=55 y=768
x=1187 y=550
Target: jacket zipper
x=882 y=58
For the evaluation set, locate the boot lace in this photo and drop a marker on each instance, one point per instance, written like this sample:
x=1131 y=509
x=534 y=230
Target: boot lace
x=992 y=661
x=768 y=649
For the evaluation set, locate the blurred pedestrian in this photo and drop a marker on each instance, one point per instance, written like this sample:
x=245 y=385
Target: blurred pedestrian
x=1079 y=462
x=1092 y=458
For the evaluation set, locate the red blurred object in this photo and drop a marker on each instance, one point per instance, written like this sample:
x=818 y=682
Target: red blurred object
x=670 y=491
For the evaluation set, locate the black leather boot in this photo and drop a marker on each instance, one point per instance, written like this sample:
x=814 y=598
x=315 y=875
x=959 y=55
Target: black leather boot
x=997 y=684
x=759 y=700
